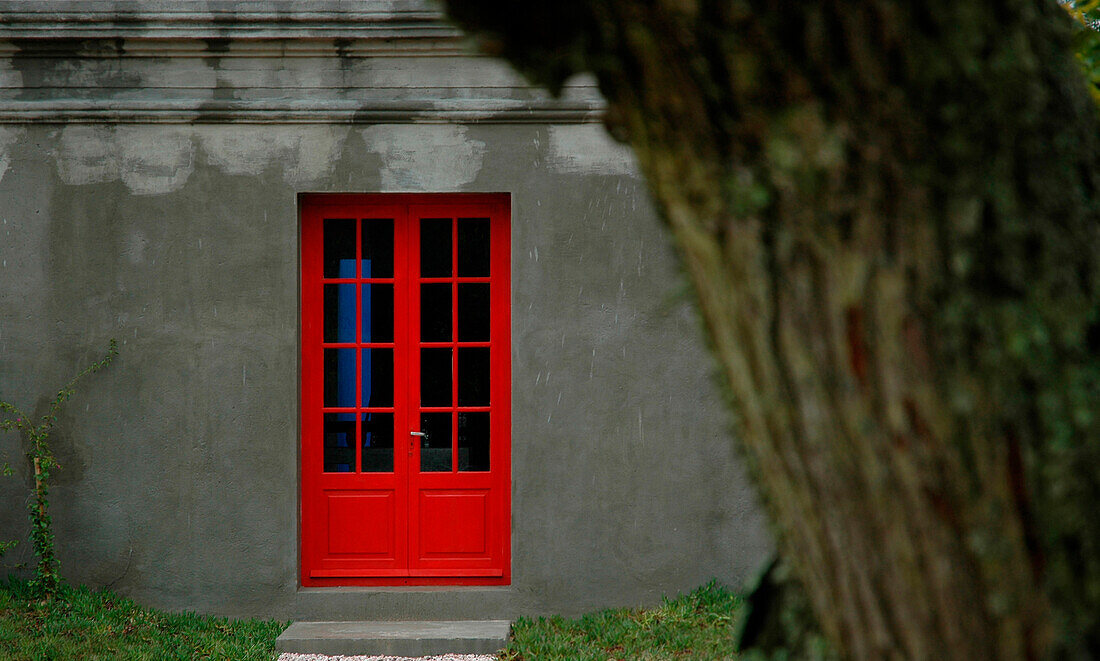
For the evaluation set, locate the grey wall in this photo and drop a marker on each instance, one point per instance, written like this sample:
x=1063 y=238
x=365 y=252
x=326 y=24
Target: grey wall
x=179 y=464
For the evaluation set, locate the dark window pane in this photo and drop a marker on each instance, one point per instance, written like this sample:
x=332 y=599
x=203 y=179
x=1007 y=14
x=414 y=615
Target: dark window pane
x=435 y=448
x=435 y=247
x=435 y=312
x=473 y=312
x=339 y=248
x=473 y=376
x=377 y=377
x=473 y=441
x=340 y=377
x=339 y=452
x=376 y=432
x=340 y=313
x=473 y=247
x=378 y=313
x=377 y=248
x=435 y=377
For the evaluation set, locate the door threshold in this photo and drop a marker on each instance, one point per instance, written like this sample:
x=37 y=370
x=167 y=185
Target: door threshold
x=486 y=589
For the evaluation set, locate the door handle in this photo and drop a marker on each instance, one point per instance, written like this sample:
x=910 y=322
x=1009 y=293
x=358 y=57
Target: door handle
x=422 y=435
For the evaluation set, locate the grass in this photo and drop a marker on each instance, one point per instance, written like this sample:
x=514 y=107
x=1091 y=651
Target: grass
x=87 y=624
x=97 y=624
x=696 y=626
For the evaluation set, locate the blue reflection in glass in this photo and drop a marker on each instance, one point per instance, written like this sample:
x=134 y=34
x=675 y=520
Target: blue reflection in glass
x=367 y=377
x=377 y=377
x=339 y=377
x=339 y=313
x=366 y=306
x=345 y=368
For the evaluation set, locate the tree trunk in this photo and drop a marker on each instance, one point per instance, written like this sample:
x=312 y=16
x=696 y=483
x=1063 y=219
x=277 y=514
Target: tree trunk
x=889 y=214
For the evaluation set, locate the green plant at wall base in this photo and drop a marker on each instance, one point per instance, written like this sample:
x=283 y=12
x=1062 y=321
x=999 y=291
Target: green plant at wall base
x=47 y=579
x=82 y=623
x=5 y=469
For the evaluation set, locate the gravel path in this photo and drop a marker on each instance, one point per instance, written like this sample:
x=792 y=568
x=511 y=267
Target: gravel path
x=288 y=656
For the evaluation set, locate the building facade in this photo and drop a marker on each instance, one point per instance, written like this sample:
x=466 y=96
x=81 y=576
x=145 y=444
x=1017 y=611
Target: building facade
x=401 y=335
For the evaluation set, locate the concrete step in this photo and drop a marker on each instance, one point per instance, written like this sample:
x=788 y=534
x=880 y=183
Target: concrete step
x=395 y=638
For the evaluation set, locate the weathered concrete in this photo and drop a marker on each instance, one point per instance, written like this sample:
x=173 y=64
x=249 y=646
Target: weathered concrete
x=172 y=61
x=179 y=470
x=395 y=638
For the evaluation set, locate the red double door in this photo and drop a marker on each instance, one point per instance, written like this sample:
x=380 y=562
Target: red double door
x=405 y=389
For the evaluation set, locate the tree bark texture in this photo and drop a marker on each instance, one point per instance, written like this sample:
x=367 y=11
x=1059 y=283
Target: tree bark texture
x=889 y=213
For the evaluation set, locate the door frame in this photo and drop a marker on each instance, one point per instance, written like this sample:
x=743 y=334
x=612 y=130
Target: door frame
x=497 y=206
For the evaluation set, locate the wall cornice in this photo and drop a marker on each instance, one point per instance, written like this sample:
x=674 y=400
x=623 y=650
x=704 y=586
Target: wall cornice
x=301 y=112
x=222 y=19
x=266 y=61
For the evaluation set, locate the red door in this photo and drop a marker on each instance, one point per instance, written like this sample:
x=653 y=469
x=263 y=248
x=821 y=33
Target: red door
x=405 y=389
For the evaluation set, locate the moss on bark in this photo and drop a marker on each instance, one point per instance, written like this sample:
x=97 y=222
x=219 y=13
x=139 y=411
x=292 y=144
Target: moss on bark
x=889 y=211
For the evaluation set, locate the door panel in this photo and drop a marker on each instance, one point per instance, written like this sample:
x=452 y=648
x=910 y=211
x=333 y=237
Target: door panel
x=405 y=389
x=453 y=523
x=362 y=523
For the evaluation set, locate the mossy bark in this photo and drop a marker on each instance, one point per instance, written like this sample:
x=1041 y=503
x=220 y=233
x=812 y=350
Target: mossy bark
x=889 y=211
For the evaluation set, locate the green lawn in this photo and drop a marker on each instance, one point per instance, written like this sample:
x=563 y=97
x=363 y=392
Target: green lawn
x=86 y=624
x=695 y=626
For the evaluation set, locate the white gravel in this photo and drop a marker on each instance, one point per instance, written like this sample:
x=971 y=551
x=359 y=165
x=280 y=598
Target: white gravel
x=293 y=657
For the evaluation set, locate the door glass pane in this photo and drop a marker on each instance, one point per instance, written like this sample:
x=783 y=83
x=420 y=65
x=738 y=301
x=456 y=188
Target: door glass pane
x=377 y=252
x=339 y=452
x=435 y=448
x=473 y=376
x=435 y=247
x=377 y=377
x=473 y=312
x=340 y=313
x=339 y=377
x=377 y=313
x=435 y=312
x=339 y=242
x=473 y=247
x=376 y=437
x=473 y=441
x=435 y=377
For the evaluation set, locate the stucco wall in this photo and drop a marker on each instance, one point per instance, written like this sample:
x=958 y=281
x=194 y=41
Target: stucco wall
x=179 y=464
